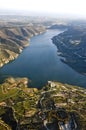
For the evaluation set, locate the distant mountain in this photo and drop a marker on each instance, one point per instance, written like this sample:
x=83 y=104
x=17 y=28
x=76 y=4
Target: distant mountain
x=59 y=26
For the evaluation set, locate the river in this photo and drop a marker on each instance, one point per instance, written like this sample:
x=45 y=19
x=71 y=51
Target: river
x=40 y=63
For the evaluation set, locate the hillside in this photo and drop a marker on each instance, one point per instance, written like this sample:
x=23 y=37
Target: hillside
x=14 y=38
x=56 y=105
x=71 y=46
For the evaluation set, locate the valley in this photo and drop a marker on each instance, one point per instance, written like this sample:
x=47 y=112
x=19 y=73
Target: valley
x=53 y=104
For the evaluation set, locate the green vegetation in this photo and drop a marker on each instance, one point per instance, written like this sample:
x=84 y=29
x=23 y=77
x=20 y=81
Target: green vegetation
x=4 y=126
x=22 y=107
x=23 y=103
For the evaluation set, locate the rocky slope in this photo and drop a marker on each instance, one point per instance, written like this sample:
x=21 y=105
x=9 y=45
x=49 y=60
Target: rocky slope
x=56 y=106
x=71 y=45
x=59 y=26
x=13 y=38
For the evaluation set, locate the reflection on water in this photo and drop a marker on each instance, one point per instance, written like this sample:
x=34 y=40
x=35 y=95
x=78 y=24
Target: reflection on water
x=40 y=63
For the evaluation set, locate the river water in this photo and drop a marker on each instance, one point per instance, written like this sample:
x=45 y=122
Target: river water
x=40 y=63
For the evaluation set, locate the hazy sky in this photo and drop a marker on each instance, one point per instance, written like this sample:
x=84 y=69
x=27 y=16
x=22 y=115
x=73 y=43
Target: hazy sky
x=77 y=7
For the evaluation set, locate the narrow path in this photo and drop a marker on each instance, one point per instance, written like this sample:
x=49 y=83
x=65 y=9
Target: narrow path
x=2 y=124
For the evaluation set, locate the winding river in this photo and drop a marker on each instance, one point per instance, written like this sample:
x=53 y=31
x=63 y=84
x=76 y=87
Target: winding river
x=40 y=63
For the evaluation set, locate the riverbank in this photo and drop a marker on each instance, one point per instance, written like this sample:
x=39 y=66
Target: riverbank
x=13 y=39
x=33 y=61
x=71 y=47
